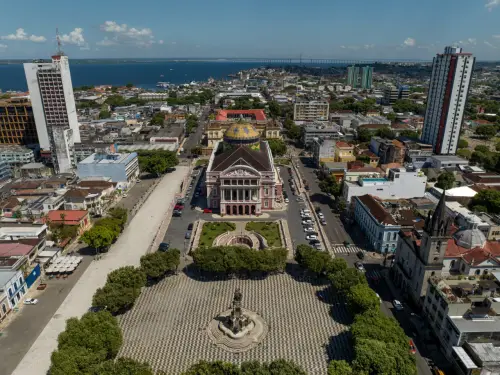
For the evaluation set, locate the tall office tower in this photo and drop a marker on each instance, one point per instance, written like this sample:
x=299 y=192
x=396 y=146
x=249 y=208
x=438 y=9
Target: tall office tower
x=17 y=123
x=353 y=76
x=448 y=90
x=366 y=77
x=54 y=108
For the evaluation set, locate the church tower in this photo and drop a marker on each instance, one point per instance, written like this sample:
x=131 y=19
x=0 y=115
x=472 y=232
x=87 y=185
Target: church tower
x=436 y=235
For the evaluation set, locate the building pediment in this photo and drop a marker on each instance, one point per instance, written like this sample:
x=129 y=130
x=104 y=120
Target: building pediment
x=240 y=171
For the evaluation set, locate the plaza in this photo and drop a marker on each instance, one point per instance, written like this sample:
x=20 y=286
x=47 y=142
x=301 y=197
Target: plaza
x=167 y=327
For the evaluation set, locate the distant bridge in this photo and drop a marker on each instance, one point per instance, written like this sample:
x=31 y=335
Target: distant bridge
x=299 y=61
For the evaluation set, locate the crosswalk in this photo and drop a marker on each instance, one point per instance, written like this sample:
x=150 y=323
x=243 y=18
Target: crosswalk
x=345 y=249
x=374 y=275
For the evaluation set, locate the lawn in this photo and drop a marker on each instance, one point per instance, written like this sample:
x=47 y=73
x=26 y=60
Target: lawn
x=282 y=161
x=212 y=230
x=201 y=162
x=269 y=230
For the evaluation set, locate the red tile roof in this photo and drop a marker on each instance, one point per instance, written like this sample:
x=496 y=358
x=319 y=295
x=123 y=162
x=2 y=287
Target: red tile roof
x=453 y=250
x=72 y=216
x=14 y=249
x=341 y=144
x=377 y=210
x=222 y=115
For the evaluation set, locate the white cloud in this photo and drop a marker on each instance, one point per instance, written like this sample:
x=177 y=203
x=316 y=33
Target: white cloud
x=496 y=36
x=22 y=35
x=74 y=37
x=369 y=46
x=355 y=48
x=468 y=41
x=409 y=42
x=3 y=47
x=123 y=34
x=160 y=42
x=490 y=4
x=490 y=45
x=174 y=42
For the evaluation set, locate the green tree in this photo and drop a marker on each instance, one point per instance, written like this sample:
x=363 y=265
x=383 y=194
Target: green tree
x=479 y=209
x=114 y=225
x=462 y=143
x=115 y=297
x=85 y=343
x=490 y=199
x=361 y=298
x=278 y=147
x=98 y=237
x=391 y=116
x=364 y=135
x=364 y=158
x=157 y=119
x=336 y=265
x=486 y=131
x=128 y=276
x=213 y=368
x=315 y=261
x=385 y=132
x=119 y=213
x=464 y=153
x=372 y=324
x=482 y=148
x=129 y=85
x=104 y=114
x=446 y=180
x=156 y=265
x=196 y=150
x=339 y=367
x=294 y=132
x=274 y=109
x=344 y=280
x=122 y=366
x=115 y=101
x=156 y=165
x=409 y=133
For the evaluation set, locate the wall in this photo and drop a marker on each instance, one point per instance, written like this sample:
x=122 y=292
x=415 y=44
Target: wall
x=33 y=276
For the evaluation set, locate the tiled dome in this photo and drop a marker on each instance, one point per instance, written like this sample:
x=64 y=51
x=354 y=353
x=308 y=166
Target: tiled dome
x=241 y=133
x=470 y=238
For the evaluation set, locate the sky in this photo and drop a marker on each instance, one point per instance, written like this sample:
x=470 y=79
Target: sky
x=401 y=29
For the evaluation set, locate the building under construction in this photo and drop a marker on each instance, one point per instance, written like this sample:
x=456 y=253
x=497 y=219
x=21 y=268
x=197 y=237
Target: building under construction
x=17 y=123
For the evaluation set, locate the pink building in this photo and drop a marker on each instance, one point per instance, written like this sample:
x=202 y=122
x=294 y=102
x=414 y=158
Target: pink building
x=241 y=178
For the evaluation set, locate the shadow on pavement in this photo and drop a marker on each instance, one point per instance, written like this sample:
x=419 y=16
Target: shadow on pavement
x=339 y=347
x=301 y=275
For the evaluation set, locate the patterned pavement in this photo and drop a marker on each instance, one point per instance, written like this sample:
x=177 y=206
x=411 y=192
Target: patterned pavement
x=168 y=325
x=345 y=250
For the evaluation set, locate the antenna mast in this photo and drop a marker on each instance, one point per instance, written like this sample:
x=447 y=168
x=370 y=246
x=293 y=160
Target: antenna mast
x=59 y=44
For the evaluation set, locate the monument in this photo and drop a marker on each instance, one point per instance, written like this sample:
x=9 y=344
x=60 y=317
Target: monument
x=237 y=329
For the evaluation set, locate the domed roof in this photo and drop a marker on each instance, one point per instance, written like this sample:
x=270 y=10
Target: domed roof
x=241 y=132
x=470 y=238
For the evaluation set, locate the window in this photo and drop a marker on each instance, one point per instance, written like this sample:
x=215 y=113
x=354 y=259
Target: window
x=266 y=191
x=266 y=203
x=4 y=309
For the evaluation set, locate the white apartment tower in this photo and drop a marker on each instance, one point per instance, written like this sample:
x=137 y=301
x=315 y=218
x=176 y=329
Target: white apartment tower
x=448 y=89
x=54 y=108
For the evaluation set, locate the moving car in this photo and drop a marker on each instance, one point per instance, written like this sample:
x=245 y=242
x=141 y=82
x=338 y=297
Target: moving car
x=321 y=216
x=413 y=349
x=30 y=301
x=311 y=237
x=397 y=305
x=323 y=222
x=360 y=254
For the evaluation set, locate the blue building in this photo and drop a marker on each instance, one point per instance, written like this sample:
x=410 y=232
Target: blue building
x=116 y=167
x=381 y=228
x=13 y=285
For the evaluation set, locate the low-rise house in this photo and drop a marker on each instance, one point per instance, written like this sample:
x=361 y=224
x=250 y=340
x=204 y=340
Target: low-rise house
x=117 y=167
x=344 y=152
x=336 y=169
x=448 y=161
x=79 y=218
x=486 y=179
x=84 y=199
x=382 y=220
x=354 y=174
x=12 y=284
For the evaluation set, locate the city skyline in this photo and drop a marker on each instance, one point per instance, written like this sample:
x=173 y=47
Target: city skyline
x=258 y=29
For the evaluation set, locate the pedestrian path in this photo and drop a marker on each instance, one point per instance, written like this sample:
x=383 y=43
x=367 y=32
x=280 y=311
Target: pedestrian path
x=345 y=249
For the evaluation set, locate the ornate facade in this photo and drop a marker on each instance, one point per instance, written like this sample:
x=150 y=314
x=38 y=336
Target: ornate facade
x=241 y=178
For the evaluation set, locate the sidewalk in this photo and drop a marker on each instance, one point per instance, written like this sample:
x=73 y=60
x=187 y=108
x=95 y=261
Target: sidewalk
x=130 y=246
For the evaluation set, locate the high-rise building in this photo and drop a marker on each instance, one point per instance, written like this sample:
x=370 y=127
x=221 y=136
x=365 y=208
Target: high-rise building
x=353 y=76
x=313 y=110
x=366 y=77
x=448 y=89
x=391 y=94
x=54 y=108
x=17 y=122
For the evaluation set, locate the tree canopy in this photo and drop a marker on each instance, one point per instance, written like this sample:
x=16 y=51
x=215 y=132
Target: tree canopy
x=99 y=237
x=364 y=135
x=344 y=280
x=446 y=180
x=277 y=367
x=462 y=143
x=406 y=105
x=85 y=343
x=339 y=367
x=278 y=147
x=486 y=131
x=157 y=264
x=122 y=366
x=385 y=132
x=489 y=199
x=157 y=162
x=239 y=260
x=361 y=298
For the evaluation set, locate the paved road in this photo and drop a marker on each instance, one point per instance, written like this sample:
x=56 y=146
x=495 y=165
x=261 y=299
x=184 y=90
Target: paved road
x=334 y=229
x=195 y=138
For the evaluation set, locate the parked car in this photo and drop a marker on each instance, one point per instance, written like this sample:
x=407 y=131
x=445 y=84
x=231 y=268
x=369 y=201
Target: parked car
x=318 y=246
x=287 y=200
x=359 y=266
x=314 y=242
x=323 y=222
x=177 y=213
x=190 y=226
x=196 y=195
x=300 y=199
x=413 y=349
x=321 y=216
x=311 y=237
x=307 y=187
x=308 y=229
x=188 y=235
x=307 y=222
x=96 y=309
x=30 y=301
x=180 y=201
x=397 y=305
x=164 y=246
x=178 y=207
x=207 y=211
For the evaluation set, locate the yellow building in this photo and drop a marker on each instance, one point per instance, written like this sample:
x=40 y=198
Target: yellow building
x=344 y=152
